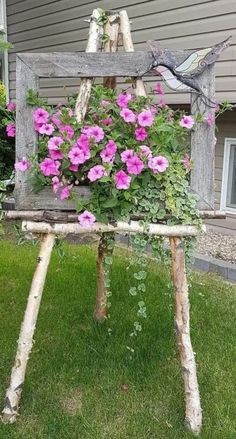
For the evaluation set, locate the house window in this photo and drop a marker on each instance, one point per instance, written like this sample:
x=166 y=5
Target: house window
x=228 y=192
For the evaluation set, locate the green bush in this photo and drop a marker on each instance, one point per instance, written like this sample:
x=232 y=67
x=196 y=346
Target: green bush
x=7 y=144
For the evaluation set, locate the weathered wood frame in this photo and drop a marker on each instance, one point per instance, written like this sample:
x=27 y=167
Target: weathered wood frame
x=30 y=67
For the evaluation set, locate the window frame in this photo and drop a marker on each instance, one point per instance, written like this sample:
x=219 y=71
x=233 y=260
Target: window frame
x=229 y=142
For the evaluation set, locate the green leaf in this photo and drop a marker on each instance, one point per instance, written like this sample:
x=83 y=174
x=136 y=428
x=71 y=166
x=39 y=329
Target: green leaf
x=127 y=195
x=140 y=275
x=112 y=202
x=101 y=218
x=133 y=291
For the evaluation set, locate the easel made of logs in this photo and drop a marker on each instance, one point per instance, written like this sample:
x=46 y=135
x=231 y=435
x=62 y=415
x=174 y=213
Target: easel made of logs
x=46 y=221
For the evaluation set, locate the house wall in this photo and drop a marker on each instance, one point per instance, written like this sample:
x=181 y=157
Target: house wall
x=49 y=25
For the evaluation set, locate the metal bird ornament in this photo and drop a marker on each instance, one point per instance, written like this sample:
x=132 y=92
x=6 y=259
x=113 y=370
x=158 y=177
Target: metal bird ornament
x=180 y=70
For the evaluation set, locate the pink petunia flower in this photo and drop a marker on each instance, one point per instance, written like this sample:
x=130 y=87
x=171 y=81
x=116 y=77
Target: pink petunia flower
x=74 y=168
x=154 y=110
x=111 y=145
x=145 y=151
x=65 y=193
x=108 y=153
x=11 y=106
x=158 y=164
x=162 y=102
x=78 y=155
x=145 y=118
x=158 y=89
x=49 y=167
x=41 y=116
x=56 y=120
x=127 y=115
x=55 y=143
x=56 y=154
x=96 y=172
x=37 y=126
x=23 y=165
x=123 y=99
x=11 y=130
x=134 y=165
x=67 y=131
x=122 y=180
x=86 y=219
x=105 y=103
x=108 y=121
x=187 y=163
x=210 y=119
x=187 y=122
x=126 y=155
x=140 y=134
x=56 y=184
x=46 y=128
x=96 y=133
x=107 y=156
x=83 y=141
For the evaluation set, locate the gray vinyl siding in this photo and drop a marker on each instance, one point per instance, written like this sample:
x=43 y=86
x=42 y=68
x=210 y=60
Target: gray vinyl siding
x=46 y=25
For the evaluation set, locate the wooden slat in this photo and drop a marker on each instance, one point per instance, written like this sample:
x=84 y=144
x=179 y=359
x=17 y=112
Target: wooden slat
x=47 y=200
x=203 y=145
x=26 y=138
x=92 y=64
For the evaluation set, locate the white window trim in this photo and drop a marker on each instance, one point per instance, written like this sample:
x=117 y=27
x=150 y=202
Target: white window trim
x=3 y=30
x=228 y=142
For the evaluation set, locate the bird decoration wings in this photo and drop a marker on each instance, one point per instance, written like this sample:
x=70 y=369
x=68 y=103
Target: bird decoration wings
x=180 y=70
x=171 y=80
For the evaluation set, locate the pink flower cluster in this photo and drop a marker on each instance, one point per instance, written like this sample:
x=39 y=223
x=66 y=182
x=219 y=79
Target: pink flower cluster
x=108 y=153
x=76 y=154
x=11 y=130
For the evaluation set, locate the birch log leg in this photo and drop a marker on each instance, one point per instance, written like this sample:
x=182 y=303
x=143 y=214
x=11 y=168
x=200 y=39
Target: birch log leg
x=193 y=412
x=129 y=47
x=25 y=341
x=95 y=31
x=104 y=250
x=100 y=313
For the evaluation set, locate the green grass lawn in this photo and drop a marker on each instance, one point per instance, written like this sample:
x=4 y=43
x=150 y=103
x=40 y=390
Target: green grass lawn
x=74 y=382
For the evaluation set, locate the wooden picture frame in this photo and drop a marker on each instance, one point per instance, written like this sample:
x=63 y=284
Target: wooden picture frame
x=30 y=67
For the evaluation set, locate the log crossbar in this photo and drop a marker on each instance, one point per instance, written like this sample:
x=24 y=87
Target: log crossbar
x=120 y=227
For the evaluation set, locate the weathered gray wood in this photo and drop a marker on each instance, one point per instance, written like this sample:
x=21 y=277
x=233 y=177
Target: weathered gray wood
x=59 y=64
x=26 y=137
x=47 y=200
x=203 y=144
x=62 y=216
